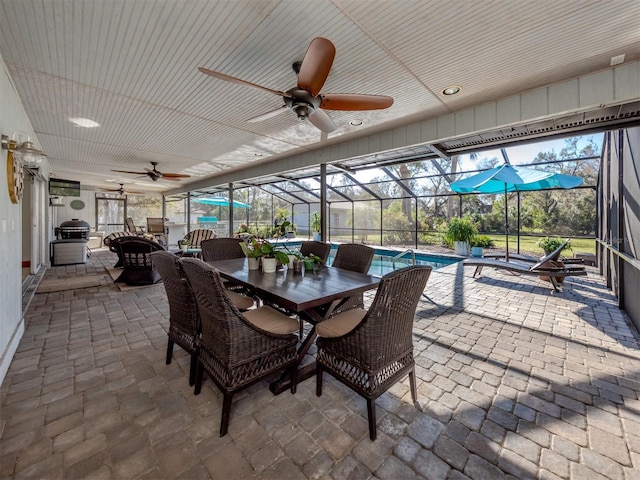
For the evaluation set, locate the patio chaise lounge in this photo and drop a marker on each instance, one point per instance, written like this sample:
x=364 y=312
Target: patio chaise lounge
x=531 y=259
x=546 y=267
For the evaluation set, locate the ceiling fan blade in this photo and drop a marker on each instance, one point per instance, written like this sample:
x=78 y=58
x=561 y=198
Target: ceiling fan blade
x=316 y=65
x=128 y=171
x=354 y=102
x=227 y=78
x=174 y=175
x=266 y=116
x=321 y=120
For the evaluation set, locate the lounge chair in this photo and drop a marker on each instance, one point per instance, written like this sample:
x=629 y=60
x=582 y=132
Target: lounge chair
x=544 y=267
x=532 y=259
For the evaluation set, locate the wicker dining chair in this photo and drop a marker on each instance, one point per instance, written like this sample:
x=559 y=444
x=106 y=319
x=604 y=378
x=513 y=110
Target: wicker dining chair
x=371 y=350
x=320 y=249
x=184 y=321
x=223 y=248
x=355 y=257
x=237 y=349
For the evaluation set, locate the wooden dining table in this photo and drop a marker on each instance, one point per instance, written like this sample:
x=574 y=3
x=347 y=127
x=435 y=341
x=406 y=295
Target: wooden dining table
x=311 y=295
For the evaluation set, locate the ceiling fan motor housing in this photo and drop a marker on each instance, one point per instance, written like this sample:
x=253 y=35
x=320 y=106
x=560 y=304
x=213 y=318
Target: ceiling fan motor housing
x=301 y=102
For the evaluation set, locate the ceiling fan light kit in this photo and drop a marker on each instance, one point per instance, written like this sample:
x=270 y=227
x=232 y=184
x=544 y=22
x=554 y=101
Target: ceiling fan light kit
x=305 y=99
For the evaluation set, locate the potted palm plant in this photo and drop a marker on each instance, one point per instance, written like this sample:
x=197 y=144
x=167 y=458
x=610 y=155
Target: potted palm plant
x=460 y=231
x=316 y=225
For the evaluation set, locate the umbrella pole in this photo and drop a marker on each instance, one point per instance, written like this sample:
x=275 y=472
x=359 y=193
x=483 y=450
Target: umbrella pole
x=506 y=221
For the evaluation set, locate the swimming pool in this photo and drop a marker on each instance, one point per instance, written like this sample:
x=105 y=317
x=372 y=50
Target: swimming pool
x=383 y=262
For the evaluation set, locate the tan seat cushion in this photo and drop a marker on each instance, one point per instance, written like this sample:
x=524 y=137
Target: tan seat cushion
x=271 y=320
x=341 y=323
x=242 y=302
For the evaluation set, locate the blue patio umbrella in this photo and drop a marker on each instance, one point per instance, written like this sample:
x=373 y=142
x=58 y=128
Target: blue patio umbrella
x=221 y=202
x=512 y=178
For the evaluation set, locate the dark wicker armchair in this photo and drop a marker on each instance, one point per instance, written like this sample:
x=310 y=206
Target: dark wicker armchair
x=111 y=241
x=135 y=253
x=320 y=249
x=184 y=322
x=369 y=351
x=356 y=258
x=237 y=349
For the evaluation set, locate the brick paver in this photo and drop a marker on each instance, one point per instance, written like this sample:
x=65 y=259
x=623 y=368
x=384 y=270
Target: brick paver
x=514 y=381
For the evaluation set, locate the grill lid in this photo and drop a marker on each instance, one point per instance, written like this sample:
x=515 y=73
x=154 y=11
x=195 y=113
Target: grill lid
x=75 y=223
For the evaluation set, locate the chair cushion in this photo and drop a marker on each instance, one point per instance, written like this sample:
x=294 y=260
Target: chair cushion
x=242 y=302
x=341 y=323
x=271 y=320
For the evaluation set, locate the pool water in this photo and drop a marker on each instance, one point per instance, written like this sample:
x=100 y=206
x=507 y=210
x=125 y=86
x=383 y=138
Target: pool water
x=383 y=259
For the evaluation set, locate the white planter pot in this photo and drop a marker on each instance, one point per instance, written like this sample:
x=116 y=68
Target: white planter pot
x=316 y=236
x=461 y=248
x=269 y=265
x=254 y=263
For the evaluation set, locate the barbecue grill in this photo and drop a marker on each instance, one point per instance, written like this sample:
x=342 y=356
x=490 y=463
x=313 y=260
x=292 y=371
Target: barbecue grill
x=73 y=229
x=71 y=244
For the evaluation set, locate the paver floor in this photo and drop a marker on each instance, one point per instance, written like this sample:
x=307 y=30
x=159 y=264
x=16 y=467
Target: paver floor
x=513 y=382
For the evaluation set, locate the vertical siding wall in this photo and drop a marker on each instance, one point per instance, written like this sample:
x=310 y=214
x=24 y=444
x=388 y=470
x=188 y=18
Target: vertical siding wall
x=619 y=218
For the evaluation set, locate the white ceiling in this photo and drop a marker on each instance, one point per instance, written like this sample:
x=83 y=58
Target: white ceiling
x=131 y=65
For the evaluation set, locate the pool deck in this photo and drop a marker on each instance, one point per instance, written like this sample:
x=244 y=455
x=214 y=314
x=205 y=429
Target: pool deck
x=514 y=382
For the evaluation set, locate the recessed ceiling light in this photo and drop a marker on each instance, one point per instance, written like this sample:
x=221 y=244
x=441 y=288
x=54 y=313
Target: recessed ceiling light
x=84 y=122
x=356 y=123
x=451 y=90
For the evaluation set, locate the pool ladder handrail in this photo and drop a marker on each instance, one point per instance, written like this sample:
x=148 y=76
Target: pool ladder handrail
x=400 y=255
x=413 y=262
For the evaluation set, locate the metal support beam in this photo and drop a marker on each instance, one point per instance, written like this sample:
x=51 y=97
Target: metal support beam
x=323 y=202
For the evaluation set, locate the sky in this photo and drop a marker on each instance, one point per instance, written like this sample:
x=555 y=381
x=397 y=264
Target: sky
x=525 y=153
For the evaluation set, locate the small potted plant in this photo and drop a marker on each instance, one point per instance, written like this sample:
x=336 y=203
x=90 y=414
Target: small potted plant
x=550 y=244
x=476 y=248
x=460 y=231
x=311 y=262
x=184 y=245
x=271 y=257
x=316 y=225
x=253 y=252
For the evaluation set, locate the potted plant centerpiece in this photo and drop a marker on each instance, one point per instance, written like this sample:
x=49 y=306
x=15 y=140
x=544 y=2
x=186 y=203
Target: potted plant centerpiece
x=311 y=262
x=460 y=231
x=184 y=245
x=271 y=257
x=253 y=252
x=316 y=226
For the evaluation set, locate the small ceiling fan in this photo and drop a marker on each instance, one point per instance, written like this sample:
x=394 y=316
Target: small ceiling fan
x=305 y=99
x=120 y=191
x=154 y=174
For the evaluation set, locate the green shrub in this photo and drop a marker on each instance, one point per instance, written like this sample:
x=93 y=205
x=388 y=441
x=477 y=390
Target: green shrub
x=483 y=241
x=460 y=230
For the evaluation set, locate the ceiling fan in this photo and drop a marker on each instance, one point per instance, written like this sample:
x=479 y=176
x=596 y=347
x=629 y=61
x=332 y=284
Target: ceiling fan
x=120 y=191
x=154 y=174
x=305 y=99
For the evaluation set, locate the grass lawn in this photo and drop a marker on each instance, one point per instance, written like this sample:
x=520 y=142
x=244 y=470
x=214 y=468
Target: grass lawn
x=528 y=244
